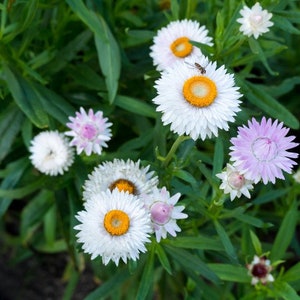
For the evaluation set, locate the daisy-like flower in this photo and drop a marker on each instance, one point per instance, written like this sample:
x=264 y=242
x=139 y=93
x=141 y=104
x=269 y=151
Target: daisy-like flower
x=114 y=225
x=172 y=43
x=196 y=98
x=260 y=150
x=255 y=21
x=127 y=176
x=234 y=183
x=90 y=131
x=51 y=153
x=163 y=212
x=260 y=269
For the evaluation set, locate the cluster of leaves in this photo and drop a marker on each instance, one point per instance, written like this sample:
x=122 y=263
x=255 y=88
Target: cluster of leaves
x=56 y=56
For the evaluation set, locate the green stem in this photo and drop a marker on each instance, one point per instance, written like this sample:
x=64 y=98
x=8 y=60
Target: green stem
x=234 y=47
x=173 y=149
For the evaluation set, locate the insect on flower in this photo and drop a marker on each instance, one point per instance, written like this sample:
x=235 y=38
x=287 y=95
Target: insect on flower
x=197 y=66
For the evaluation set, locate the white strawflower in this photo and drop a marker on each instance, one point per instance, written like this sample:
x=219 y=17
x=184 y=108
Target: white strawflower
x=255 y=21
x=163 y=212
x=234 y=183
x=51 y=153
x=172 y=43
x=197 y=98
x=127 y=176
x=89 y=131
x=114 y=225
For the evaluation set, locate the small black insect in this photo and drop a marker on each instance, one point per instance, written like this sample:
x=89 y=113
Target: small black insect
x=200 y=68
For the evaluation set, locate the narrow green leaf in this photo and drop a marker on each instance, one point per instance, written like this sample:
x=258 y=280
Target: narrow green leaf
x=256 y=243
x=57 y=247
x=285 y=24
x=72 y=283
x=226 y=242
x=135 y=106
x=147 y=277
x=198 y=242
x=34 y=211
x=251 y=220
x=192 y=262
x=231 y=273
x=270 y=196
x=163 y=258
x=218 y=156
x=284 y=290
x=50 y=225
x=20 y=193
x=109 y=286
x=284 y=87
x=11 y=121
x=292 y=274
x=285 y=234
x=107 y=47
x=26 y=98
x=186 y=176
x=256 y=95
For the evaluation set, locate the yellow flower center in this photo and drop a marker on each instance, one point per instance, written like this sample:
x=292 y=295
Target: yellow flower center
x=199 y=91
x=116 y=222
x=123 y=185
x=181 y=47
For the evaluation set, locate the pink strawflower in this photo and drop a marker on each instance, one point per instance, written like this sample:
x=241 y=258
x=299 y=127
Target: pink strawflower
x=90 y=131
x=260 y=150
x=163 y=212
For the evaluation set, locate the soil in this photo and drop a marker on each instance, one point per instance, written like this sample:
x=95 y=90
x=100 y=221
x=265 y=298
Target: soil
x=40 y=277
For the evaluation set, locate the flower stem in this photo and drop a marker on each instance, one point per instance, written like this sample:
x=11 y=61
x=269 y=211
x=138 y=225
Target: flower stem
x=173 y=149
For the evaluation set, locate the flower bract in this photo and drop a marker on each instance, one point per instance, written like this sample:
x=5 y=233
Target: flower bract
x=259 y=152
x=196 y=98
x=254 y=21
x=163 y=212
x=173 y=42
x=51 y=153
x=90 y=131
x=114 y=225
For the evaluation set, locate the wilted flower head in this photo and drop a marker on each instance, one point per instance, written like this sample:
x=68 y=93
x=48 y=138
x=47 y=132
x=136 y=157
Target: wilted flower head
x=255 y=21
x=90 y=131
x=260 y=269
x=260 y=150
x=197 y=98
x=173 y=42
x=114 y=225
x=51 y=153
x=163 y=212
x=234 y=183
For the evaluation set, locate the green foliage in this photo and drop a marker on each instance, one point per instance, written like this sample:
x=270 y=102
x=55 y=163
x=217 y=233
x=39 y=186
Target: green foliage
x=58 y=56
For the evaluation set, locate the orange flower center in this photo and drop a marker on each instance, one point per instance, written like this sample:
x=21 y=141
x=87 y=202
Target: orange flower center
x=116 y=222
x=199 y=91
x=181 y=47
x=123 y=185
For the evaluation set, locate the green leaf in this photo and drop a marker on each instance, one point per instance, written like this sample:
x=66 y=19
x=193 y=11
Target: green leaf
x=10 y=124
x=35 y=211
x=284 y=290
x=231 y=273
x=256 y=243
x=250 y=220
x=198 y=242
x=256 y=49
x=147 y=277
x=135 y=106
x=285 y=234
x=192 y=262
x=226 y=242
x=163 y=258
x=284 y=24
x=107 y=47
x=292 y=274
x=26 y=98
x=54 y=104
x=50 y=225
x=218 y=156
x=256 y=95
x=270 y=196
x=108 y=286
x=284 y=87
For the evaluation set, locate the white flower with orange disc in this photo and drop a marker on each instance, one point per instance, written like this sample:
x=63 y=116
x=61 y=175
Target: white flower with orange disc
x=127 y=176
x=114 y=225
x=196 y=98
x=173 y=42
